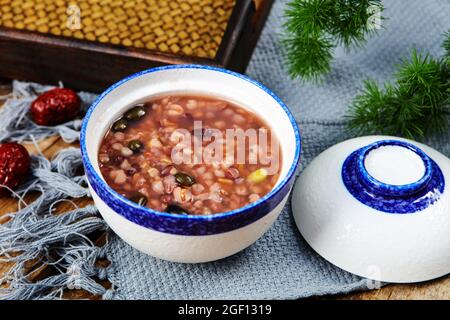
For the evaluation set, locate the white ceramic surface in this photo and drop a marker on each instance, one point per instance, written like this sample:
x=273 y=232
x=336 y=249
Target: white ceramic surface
x=182 y=248
x=374 y=244
x=190 y=80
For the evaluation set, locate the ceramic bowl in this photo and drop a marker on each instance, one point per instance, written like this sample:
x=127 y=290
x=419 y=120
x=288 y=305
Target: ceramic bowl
x=189 y=238
x=379 y=207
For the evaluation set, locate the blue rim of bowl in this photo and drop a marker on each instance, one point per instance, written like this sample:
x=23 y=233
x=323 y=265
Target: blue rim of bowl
x=391 y=189
x=207 y=218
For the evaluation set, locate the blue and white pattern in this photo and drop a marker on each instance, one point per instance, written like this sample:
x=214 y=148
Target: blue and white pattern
x=190 y=224
x=408 y=198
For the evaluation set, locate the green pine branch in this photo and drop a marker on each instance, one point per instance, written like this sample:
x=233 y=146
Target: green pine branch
x=446 y=45
x=415 y=106
x=315 y=27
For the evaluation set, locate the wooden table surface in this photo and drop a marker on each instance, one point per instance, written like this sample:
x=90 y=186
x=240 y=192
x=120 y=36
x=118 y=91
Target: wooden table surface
x=437 y=289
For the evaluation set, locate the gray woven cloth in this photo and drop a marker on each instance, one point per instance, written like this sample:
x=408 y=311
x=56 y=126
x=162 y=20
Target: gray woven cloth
x=280 y=264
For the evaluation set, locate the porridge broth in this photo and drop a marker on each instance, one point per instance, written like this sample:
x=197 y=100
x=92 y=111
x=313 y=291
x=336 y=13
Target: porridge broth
x=136 y=156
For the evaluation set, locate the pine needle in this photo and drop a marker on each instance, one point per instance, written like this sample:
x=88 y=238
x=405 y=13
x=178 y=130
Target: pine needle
x=351 y=24
x=415 y=106
x=308 y=57
x=315 y=27
x=446 y=45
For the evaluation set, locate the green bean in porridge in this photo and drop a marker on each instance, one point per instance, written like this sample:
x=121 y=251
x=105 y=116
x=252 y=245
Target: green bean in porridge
x=190 y=155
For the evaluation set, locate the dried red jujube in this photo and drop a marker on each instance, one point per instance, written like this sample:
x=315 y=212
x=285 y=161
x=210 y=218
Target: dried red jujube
x=14 y=166
x=56 y=106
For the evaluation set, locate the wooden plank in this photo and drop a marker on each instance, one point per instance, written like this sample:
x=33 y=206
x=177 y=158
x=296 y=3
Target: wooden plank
x=436 y=289
x=240 y=38
x=79 y=64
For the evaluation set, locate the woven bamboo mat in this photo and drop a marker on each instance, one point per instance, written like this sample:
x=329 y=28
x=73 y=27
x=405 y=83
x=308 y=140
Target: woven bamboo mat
x=188 y=27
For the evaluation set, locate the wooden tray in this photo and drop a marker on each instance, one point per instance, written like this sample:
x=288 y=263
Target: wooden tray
x=45 y=56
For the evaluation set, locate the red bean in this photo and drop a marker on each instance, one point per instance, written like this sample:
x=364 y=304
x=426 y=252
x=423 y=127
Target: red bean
x=232 y=173
x=137 y=157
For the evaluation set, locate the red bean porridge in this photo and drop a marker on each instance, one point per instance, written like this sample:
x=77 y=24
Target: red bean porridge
x=143 y=155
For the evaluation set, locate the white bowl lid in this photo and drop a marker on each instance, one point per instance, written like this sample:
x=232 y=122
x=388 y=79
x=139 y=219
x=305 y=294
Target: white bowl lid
x=378 y=207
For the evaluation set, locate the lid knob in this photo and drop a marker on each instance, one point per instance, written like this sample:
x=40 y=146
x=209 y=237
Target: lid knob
x=393 y=168
x=393 y=176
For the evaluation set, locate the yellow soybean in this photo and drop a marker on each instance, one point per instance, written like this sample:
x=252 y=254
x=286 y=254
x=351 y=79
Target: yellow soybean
x=257 y=176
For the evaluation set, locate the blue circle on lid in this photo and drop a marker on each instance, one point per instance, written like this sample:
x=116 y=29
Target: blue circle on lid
x=407 y=198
